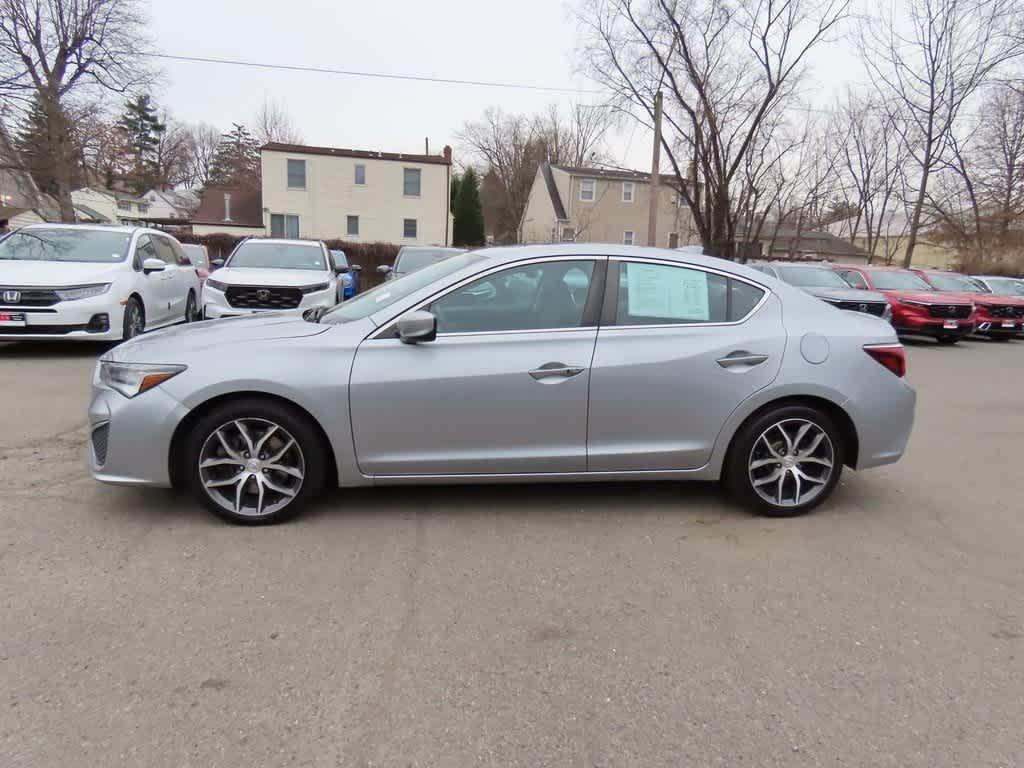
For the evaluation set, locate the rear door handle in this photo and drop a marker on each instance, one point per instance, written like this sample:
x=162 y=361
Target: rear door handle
x=556 y=370
x=741 y=357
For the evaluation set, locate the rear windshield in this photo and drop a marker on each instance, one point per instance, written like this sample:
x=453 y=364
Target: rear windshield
x=812 y=277
x=65 y=244
x=953 y=283
x=256 y=254
x=898 y=281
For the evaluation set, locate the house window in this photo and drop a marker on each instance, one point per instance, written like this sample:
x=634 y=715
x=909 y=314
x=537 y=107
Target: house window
x=284 y=225
x=627 y=191
x=627 y=237
x=124 y=205
x=296 y=174
x=409 y=228
x=352 y=225
x=587 y=189
x=673 y=239
x=411 y=182
x=568 y=234
x=143 y=208
x=360 y=175
x=227 y=206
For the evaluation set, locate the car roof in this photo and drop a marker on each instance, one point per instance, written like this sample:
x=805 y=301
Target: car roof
x=283 y=241
x=96 y=228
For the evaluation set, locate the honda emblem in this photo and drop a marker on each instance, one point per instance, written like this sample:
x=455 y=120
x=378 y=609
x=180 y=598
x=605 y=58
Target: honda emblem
x=12 y=297
x=263 y=294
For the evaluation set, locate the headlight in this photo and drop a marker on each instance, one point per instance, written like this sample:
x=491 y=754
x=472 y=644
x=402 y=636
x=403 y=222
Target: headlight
x=131 y=379
x=215 y=284
x=315 y=288
x=82 y=291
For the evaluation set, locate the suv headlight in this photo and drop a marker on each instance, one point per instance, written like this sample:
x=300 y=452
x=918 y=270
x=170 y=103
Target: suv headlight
x=82 y=291
x=215 y=284
x=131 y=379
x=315 y=288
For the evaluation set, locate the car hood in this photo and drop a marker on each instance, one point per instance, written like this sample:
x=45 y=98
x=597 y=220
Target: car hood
x=56 y=273
x=283 y=277
x=929 y=297
x=985 y=298
x=848 y=294
x=177 y=344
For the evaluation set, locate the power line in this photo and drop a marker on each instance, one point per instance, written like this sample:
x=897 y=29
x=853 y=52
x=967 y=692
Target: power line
x=356 y=73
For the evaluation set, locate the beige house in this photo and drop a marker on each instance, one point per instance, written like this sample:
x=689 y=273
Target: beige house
x=326 y=193
x=597 y=205
x=891 y=242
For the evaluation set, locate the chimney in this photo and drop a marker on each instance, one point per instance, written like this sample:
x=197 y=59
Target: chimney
x=426 y=146
x=448 y=153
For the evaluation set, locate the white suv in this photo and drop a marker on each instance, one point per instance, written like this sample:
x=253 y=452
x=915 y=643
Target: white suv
x=266 y=275
x=98 y=283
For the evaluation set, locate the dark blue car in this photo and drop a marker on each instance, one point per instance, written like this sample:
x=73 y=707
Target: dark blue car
x=349 y=275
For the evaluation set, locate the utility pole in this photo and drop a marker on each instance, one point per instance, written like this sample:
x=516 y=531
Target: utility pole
x=652 y=221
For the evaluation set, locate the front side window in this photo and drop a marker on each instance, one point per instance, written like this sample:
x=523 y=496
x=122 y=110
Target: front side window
x=587 y=189
x=411 y=182
x=855 y=279
x=409 y=228
x=144 y=249
x=360 y=175
x=284 y=225
x=352 y=225
x=627 y=237
x=65 y=244
x=296 y=174
x=627 y=191
x=530 y=297
x=164 y=251
x=659 y=294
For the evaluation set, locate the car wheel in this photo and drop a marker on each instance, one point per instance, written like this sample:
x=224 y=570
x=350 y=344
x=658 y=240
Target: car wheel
x=191 y=313
x=786 y=461
x=134 y=319
x=255 y=461
x=948 y=339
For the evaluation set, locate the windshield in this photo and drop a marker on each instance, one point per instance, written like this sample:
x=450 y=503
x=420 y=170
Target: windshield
x=386 y=294
x=812 y=277
x=953 y=283
x=898 y=281
x=65 y=244
x=196 y=255
x=1006 y=286
x=256 y=254
x=340 y=259
x=410 y=261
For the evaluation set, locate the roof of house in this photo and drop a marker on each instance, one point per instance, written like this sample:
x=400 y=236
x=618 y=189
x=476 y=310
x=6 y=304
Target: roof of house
x=814 y=243
x=246 y=207
x=91 y=213
x=301 y=149
x=556 y=198
x=614 y=174
x=10 y=211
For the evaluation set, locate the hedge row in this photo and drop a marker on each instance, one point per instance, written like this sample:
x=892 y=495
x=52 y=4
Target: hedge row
x=367 y=255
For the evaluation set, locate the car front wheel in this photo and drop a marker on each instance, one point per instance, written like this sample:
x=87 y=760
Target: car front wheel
x=786 y=461
x=255 y=461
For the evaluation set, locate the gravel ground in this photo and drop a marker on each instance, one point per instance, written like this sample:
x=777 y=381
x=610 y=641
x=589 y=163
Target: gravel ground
x=623 y=625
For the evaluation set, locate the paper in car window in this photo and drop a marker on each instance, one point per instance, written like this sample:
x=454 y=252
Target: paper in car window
x=667 y=292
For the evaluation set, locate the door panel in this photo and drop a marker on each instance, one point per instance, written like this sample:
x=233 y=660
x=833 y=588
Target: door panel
x=468 y=404
x=156 y=293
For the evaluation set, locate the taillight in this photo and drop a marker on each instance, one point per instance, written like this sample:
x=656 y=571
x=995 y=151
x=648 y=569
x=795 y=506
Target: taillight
x=891 y=356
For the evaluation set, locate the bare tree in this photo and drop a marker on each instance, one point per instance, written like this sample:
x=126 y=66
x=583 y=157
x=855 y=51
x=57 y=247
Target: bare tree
x=272 y=123
x=172 y=155
x=52 y=48
x=726 y=69
x=930 y=59
x=203 y=141
x=577 y=139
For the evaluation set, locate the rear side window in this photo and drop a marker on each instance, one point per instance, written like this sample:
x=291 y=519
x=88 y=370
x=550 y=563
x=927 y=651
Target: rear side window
x=659 y=294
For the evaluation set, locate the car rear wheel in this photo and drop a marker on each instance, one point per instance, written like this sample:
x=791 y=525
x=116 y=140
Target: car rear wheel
x=255 y=461
x=786 y=461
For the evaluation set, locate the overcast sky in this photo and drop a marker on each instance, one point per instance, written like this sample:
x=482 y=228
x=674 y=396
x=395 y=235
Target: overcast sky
x=521 y=41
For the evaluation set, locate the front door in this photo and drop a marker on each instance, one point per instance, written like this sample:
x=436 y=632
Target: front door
x=503 y=388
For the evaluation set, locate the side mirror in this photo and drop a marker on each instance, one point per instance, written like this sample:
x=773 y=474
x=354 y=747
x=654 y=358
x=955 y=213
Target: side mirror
x=416 y=327
x=153 y=265
x=384 y=269
x=341 y=270
x=217 y=263
x=355 y=268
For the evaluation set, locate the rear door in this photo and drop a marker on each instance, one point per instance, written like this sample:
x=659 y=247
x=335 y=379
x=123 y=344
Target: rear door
x=678 y=350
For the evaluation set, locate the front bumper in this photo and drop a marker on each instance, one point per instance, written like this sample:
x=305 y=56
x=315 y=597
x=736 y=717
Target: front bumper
x=130 y=438
x=215 y=304
x=933 y=327
x=82 y=319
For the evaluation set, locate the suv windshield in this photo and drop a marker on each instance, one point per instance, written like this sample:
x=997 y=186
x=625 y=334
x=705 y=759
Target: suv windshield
x=953 y=283
x=812 y=277
x=65 y=244
x=256 y=254
x=386 y=294
x=898 y=281
x=1006 y=286
x=411 y=260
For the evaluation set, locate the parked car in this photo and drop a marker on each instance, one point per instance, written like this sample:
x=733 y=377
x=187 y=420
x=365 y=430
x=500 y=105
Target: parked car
x=1000 y=285
x=413 y=257
x=997 y=317
x=99 y=283
x=486 y=367
x=349 y=275
x=917 y=308
x=264 y=275
x=199 y=258
x=825 y=283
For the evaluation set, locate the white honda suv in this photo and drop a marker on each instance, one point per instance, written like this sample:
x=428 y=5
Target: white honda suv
x=264 y=275
x=98 y=283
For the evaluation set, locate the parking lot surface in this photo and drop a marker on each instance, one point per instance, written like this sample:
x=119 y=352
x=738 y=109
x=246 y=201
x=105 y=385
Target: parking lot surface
x=569 y=625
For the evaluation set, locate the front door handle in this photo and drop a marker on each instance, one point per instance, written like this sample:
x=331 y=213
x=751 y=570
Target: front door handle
x=741 y=357
x=556 y=370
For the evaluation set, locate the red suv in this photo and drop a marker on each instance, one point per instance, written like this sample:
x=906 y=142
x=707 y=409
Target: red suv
x=917 y=308
x=998 y=317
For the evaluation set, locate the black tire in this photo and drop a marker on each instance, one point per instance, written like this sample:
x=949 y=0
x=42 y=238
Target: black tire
x=298 y=425
x=949 y=340
x=737 y=472
x=191 y=311
x=134 y=323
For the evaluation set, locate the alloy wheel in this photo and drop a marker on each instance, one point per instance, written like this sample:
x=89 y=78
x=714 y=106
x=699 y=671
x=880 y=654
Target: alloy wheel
x=791 y=462
x=251 y=467
x=136 y=324
x=190 y=309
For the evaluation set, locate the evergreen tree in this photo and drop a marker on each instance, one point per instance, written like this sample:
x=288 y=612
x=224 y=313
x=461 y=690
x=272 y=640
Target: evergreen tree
x=469 y=215
x=142 y=130
x=454 y=192
x=237 y=162
x=44 y=142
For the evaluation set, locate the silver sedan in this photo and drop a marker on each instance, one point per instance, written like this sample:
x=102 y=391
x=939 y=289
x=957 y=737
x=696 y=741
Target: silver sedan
x=528 y=364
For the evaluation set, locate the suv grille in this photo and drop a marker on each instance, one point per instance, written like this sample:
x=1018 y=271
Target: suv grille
x=1006 y=311
x=876 y=308
x=100 y=437
x=29 y=297
x=950 y=311
x=253 y=297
